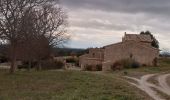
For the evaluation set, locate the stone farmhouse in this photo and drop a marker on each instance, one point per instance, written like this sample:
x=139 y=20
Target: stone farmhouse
x=133 y=46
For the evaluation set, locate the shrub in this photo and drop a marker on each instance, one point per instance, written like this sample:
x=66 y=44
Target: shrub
x=135 y=64
x=125 y=63
x=51 y=64
x=22 y=67
x=88 y=68
x=93 y=67
x=155 y=62
x=99 y=67
x=144 y=65
x=25 y=65
x=3 y=59
x=77 y=63
x=71 y=60
x=116 y=66
x=125 y=73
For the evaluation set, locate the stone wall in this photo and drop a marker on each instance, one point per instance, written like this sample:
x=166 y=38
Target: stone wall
x=144 y=54
x=96 y=53
x=94 y=57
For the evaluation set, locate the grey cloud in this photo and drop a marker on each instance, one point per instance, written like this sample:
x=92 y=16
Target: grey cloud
x=102 y=16
x=101 y=25
x=129 y=6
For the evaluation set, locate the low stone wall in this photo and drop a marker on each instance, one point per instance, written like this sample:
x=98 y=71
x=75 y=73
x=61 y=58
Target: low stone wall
x=106 y=66
x=90 y=61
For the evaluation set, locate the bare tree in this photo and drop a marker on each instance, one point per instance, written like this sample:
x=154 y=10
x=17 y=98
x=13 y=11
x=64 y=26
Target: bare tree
x=48 y=30
x=27 y=22
x=51 y=23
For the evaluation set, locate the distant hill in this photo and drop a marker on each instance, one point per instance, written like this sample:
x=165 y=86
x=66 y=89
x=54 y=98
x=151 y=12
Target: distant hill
x=68 y=51
x=165 y=54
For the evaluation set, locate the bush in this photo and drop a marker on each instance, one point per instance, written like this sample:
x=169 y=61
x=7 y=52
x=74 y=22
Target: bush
x=93 y=67
x=135 y=64
x=125 y=73
x=3 y=59
x=88 y=68
x=99 y=67
x=51 y=64
x=116 y=66
x=77 y=63
x=125 y=63
x=25 y=65
x=73 y=60
x=22 y=67
x=70 y=60
x=144 y=65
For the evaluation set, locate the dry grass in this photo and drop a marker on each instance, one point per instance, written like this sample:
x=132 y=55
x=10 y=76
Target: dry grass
x=65 y=85
x=74 y=85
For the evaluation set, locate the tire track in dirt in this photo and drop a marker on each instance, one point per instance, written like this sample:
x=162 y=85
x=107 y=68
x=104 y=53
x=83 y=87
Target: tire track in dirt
x=147 y=87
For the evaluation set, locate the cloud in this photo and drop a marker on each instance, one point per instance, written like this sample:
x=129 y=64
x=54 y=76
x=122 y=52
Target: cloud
x=101 y=22
x=126 y=6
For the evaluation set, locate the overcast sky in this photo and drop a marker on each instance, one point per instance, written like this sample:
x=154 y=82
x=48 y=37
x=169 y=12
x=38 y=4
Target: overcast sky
x=95 y=23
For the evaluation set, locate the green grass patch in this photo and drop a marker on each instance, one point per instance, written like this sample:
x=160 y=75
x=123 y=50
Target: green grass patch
x=65 y=85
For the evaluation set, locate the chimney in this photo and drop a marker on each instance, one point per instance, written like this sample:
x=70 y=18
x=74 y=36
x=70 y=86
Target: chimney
x=123 y=38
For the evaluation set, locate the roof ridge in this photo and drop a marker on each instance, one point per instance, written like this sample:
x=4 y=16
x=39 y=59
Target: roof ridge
x=113 y=44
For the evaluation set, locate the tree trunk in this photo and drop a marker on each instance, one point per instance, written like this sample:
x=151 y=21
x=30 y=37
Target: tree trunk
x=13 y=59
x=13 y=63
x=39 y=65
x=29 y=65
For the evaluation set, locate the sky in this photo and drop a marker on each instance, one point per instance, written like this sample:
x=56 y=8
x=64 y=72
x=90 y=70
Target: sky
x=96 y=23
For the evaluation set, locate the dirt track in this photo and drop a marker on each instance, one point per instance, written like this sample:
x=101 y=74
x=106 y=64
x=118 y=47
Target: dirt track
x=149 y=88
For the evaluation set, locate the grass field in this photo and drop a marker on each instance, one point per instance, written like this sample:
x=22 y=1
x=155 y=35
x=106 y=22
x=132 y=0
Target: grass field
x=65 y=85
x=74 y=85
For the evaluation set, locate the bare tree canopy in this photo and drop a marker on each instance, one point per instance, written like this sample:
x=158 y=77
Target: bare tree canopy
x=26 y=24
